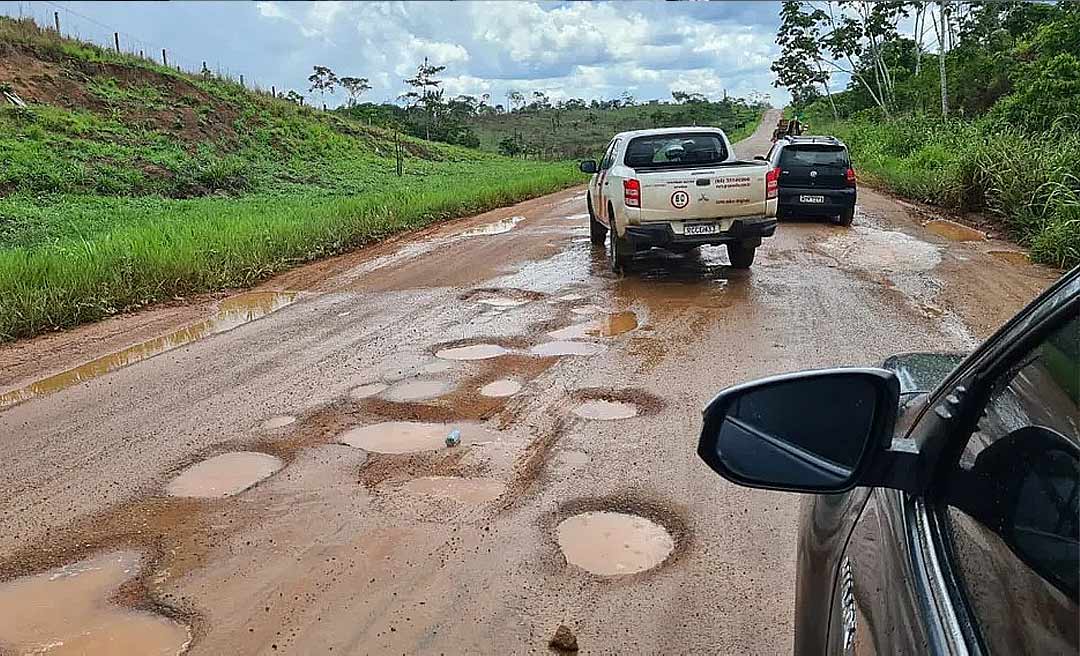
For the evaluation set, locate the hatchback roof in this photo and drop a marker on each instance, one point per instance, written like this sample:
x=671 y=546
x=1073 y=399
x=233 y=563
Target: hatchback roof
x=814 y=139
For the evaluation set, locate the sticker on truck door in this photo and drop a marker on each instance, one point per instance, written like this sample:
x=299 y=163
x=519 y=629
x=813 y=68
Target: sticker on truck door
x=680 y=199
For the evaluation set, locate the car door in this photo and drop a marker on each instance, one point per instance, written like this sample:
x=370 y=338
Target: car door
x=603 y=185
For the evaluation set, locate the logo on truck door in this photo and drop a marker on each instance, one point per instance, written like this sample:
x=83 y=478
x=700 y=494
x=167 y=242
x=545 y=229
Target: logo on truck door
x=680 y=199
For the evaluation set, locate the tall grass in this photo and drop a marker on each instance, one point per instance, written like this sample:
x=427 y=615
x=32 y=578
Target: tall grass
x=1028 y=181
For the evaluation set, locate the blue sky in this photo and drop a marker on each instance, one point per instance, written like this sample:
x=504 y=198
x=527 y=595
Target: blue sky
x=579 y=49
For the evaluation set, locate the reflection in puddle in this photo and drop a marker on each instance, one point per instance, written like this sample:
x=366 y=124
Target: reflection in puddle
x=232 y=312
x=609 y=325
x=274 y=423
x=611 y=544
x=223 y=475
x=474 y=352
x=500 y=388
x=416 y=390
x=1012 y=257
x=881 y=250
x=954 y=231
x=553 y=349
x=365 y=391
x=497 y=228
x=465 y=490
x=67 y=611
x=605 y=410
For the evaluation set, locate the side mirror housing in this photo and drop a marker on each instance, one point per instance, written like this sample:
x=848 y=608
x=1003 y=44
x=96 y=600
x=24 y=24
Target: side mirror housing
x=588 y=166
x=814 y=431
x=760 y=157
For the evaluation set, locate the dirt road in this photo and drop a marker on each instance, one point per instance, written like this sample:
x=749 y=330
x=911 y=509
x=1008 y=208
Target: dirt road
x=356 y=544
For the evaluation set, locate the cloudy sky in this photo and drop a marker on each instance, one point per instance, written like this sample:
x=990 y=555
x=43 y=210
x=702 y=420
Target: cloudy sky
x=567 y=49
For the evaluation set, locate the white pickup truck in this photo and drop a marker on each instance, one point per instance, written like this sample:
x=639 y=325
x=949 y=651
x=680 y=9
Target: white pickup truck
x=677 y=189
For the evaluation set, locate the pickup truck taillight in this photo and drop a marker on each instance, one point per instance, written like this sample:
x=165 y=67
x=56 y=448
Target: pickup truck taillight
x=772 y=183
x=631 y=193
x=851 y=179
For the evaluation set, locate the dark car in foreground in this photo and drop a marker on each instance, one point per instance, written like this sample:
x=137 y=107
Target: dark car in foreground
x=945 y=518
x=815 y=178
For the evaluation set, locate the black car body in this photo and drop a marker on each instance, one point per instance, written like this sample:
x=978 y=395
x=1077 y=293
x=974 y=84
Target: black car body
x=946 y=518
x=816 y=178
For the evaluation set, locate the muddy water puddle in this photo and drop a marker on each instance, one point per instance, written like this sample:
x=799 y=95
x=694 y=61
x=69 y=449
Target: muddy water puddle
x=465 y=490
x=497 y=228
x=606 y=410
x=613 y=544
x=67 y=611
x=367 y=390
x=502 y=302
x=473 y=352
x=501 y=388
x=881 y=250
x=275 y=423
x=232 y=312
x=1012 y=257
x=954 y=231
x=416 y=390
x=560 y=348
x=223 y=475
x=609 y=325
x=410 y=436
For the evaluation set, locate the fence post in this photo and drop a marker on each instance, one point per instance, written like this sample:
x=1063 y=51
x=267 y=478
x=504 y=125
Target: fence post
x=241 y=80
x=116 y=40
x=56 y=20
x=273 y=91
x=164 y=59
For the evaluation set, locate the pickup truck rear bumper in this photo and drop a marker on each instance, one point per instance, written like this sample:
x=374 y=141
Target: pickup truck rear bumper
x=748 y=231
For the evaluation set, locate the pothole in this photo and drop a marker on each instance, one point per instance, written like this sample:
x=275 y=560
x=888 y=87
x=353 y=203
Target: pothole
x=368 y=390
x=501 y=388
x=613 y=544
x=1012 y=257
x=557 y=348
x=416 y=390
x=881 y=250
x=954 y=231
x=609 y=325
x=223 y=475
x=274 y=423
x=606 y=410
x=472 y=352
x=411 y=436
x=502 y=302
x=67 y=610
x=465 y=490
x=496 y=228
x=436 y=367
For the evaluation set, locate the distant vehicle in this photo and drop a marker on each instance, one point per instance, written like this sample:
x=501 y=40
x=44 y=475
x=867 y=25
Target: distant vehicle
x=787 y=128
x=679 y=188
x=946 y=520
x=815 y=177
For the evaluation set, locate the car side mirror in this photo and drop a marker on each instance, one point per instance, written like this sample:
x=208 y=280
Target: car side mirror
x=814 y=431
x=588 y=166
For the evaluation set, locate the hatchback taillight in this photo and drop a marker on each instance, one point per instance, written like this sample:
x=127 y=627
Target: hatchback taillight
x=851 y=179
x=772 y=183
x=631 y=193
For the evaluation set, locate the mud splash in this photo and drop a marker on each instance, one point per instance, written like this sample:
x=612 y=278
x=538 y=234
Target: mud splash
x=67 y=611
x=473 y=352
x=501 y=388
x=223 y=475
x=410 y=436
x=609 y=325
x=606 y=410
x=465 y=490
x=416 y=390
x=953 y=230
x=275 y=423
x=613 y=544
x=559 y=348
x=497 y=228
x=232 y=312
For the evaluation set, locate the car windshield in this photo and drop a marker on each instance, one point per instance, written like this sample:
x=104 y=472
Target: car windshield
x=814 y=156
x=675 y=150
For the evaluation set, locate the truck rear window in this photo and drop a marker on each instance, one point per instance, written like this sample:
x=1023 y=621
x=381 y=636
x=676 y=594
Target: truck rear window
x=814 y=156
x=679 y=150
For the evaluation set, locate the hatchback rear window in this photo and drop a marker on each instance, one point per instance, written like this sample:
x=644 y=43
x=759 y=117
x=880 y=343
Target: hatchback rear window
x=814 y=156
x=675 y=150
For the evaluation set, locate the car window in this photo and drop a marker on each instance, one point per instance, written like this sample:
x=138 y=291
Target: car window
x=1012 y=504
x=814 y=156
x=675 y=150
x=609 y=156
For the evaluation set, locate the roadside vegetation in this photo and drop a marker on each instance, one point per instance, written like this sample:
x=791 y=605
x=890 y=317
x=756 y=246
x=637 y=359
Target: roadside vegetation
x=125 y=182
x=999 y=136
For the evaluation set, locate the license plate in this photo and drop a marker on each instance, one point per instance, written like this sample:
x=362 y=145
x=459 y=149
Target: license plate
x=811 y=199
x=701 y=229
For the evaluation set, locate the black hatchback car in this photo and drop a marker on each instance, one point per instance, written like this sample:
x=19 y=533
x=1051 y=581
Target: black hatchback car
x=946 y=517
x=815 y=178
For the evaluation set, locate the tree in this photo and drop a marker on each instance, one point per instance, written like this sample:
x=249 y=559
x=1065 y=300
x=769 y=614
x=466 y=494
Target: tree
x=426 y=94
x=292 y=96
x=322 y=80
x=799 y=66
x=515 y=100
x=355 y=86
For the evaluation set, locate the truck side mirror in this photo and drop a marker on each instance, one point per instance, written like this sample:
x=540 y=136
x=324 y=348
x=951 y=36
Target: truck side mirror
x=588 y=166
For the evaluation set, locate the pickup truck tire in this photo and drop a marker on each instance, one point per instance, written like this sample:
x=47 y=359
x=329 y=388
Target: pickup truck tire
x=597 y=230
x=846 y=217
x=741 y=256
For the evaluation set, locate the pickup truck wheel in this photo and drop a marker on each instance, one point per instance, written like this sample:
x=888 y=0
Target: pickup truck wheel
x=597 y=230
x=618 y=253
x=741 y=256
x=846 y=217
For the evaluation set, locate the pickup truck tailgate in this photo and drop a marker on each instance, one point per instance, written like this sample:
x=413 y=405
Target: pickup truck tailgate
x=730 y=190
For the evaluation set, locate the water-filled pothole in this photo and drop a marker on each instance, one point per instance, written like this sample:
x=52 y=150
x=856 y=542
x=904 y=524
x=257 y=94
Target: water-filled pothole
x=465 y=490
x=502 y=302
x=410 y=436
x=605 y=410
x=223 y=475
x=367 y=390
x=497 y=228
x=608 y=325
x=954 y=231
x=416 y=390
x=501 y=388
x=67 y=611
x=613 y=544
x=557 y=348
x=1012 y=257
x=472 y=352
x=274 y=423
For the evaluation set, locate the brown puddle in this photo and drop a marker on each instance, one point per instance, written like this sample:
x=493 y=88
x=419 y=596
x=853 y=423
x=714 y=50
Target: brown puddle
x=500 y=388
x=1012 y=257
x=497 y=228
x=613 y=544
x=502 y=302
x=364 y=391
x=474 y=352
x=232 y=312
x=605 y=410
x=416 y=390
x=410 y=436
x=954 y=231
x=552 y=349
x=67 y=611
x=274 y=423
x=223 y=475
x=465 y=490
x=609 y=325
